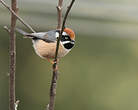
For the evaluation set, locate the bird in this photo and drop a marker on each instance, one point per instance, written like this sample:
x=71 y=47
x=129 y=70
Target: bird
x=44 y=43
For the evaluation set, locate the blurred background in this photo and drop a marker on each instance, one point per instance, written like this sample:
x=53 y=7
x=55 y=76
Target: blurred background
x=101 y=71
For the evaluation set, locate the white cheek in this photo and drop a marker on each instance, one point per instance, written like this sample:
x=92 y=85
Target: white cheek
x=64 y=33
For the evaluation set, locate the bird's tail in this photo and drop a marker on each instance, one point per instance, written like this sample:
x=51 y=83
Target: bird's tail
x=25 y=34
x=21 y=31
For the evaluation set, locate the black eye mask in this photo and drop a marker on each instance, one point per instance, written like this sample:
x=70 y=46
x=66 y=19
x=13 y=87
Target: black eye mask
x=65 y=38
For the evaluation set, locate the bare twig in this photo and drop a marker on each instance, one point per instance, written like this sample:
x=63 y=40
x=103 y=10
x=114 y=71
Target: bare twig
x=19 y=18
x=63 y=26
x=12 y=52
x=66 y=15
x=16 y=104
x=7 y=29
x=59 y=11
x=47 y=107
x=55 y=65
x=50 y=106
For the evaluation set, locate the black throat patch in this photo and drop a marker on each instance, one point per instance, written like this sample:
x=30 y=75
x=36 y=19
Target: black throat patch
x=68 y=45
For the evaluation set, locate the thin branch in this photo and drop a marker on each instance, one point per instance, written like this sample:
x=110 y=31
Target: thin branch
x=55 y=65
x=12 y=52
x=19 y=18
x=59 y=11
x=51 y=104
x=47 y=107
x=16 y=104
x=63 y=26
x=66 y=15
x=7 y=29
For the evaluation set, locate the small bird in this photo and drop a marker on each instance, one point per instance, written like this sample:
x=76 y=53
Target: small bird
x=44 y=43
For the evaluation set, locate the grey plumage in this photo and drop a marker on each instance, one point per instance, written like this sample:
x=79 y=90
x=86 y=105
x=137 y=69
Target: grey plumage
x=21 y=31
x=50 y=36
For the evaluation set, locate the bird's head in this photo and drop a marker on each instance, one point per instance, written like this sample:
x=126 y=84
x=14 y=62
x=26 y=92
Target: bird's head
x=70 y=32
x=68 y=38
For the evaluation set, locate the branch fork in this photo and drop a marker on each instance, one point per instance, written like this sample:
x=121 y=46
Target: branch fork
x=17 y=17
x=60 y=26
x=59 y=8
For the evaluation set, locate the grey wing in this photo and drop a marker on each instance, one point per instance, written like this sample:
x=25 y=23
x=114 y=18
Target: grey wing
x=49 y=36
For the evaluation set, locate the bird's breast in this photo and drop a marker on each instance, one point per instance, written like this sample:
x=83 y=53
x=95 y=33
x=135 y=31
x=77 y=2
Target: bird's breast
x=47 y=50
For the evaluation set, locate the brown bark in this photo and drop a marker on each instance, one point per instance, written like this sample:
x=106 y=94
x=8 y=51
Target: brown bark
x=55 y=65
x=19 y=18
x=12 y=52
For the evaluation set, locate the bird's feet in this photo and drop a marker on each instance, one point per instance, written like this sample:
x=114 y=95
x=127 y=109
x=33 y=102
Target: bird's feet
x=50 y=61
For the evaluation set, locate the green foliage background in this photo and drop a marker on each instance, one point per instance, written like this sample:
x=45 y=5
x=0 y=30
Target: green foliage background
x=100 y=73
